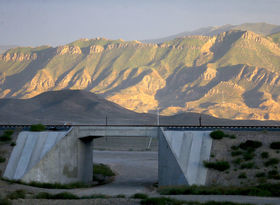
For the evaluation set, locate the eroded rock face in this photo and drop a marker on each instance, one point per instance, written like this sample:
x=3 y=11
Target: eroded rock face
x=18 y=57
x=62 y=50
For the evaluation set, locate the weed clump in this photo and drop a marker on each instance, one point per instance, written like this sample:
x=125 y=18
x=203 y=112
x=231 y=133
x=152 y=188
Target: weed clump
x=218 y=165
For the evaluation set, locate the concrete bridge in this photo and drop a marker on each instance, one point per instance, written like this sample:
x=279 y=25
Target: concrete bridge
x=66 y=156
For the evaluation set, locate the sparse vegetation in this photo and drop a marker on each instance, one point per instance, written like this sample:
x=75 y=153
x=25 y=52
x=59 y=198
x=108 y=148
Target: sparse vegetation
x=7 y=135
x=217 y=134
x=103 y=170
x=140 y=196
x=13 y=144
x=236 y=153
x=248 y=155
x=271 y=161
x=248 y=165
x=18 y=194
x=62 y=195
x=275 y=145
x=218 y=165
x=2 y=159
x=250 y=145
x=260 y=174
x=37 y=127
x=242 y=175
x=264 y=155
x=169 y=201
x=258 y=190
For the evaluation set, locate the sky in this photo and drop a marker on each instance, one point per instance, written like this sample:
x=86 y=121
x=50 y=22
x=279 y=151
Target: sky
x=57 y=22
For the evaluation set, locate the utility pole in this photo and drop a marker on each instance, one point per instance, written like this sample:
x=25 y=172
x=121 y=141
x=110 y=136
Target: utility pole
x=157 y=116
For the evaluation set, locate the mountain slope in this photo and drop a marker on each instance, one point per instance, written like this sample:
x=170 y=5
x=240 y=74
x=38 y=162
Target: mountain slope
x=82 y=107
x=235 y=74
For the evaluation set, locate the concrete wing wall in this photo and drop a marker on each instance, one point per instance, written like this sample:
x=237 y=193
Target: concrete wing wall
x=30 y=148
x=188 y=149
x=69 y=161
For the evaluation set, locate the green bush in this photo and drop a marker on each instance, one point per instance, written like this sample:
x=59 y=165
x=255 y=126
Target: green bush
x=218 y=165
x=250 y=145
x=248 y=165
x=264 y=155
x=275 y=145
x=18 y=194
x=217 y=134
x=248 y=155
x=237 y=161
x=13 y=144
x=242 y=175
x=161 y=201
x=271 y=161
x=234 y=147
x=37 y=128
x=7 y=136
x=260 y=174
x=103 y=170
x=2 y=159
x=236 y=153
x=140 y=196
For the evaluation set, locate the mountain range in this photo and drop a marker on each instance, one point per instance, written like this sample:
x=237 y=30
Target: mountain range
x=234 y=74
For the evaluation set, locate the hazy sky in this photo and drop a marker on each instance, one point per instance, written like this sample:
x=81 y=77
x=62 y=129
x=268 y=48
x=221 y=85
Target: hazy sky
x=55 y=22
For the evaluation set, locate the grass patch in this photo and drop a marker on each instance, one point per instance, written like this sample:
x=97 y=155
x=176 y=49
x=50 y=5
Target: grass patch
x=250 y=145
x=275 y=145
x=18 y=194
x=62 y=195
x=37 y=128
x=258 y=190
x=140 y=196
x=6 y=136
x=218 y=165
x=271 y=161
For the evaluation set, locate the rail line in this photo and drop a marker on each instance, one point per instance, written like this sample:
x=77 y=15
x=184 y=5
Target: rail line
x=166 y=127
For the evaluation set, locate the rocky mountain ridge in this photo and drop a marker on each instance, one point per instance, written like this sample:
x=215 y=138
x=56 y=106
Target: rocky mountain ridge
x=235 y=74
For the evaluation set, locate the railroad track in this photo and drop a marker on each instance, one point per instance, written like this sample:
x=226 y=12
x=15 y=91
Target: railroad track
x=166 y=127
